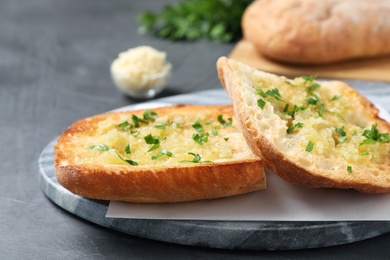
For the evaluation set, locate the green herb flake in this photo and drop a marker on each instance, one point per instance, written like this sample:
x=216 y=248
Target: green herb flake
x=373 y=136
x=125 y=126
x=309 y=146
x=292 y=128
x=135 y=133
x=223 y=122
x=349 y=169
x=335 y=97
x=342 y=133
x=309 y=78
x=196 y=159
x=131 y=162
x=261 y=103
x=274 y=93
x=289 y=83
x=313 y=87
x=294 y=110
x=160 y=126
x=214 y=131
x=365 y=153
x=226 y=139
x=200 y=138
x=155 y=140
x=137 y=120
x=261 y=93
x=149 y=115
x=198 y=126
x=127 y=149
x=162 y=153
x=100 y=147
x=312 y=100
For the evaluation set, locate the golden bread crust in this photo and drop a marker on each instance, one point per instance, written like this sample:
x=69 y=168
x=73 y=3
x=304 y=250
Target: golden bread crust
x=295 y=164
x=318 y=32
x=175 y=182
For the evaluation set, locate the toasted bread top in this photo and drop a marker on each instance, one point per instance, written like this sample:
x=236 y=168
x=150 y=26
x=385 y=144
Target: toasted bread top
x=312 y=133
x=168 y=154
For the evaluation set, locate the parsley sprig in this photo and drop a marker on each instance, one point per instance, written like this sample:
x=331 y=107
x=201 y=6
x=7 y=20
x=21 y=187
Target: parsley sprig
x=217 y=20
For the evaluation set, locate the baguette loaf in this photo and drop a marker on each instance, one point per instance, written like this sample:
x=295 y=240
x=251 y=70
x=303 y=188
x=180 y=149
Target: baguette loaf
x=318 y=32
x=311 y=133
x=168 y=154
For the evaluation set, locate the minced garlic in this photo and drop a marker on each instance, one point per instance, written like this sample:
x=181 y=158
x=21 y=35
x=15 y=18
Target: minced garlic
x=141 y=72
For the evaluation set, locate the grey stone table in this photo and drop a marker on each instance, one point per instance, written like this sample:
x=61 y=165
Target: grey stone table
x=54 y=59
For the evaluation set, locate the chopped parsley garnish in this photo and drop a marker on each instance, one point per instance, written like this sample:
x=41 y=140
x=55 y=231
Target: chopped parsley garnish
x=335 y=97
x=226 y=139
x=155 y=140
x=309 y=78
x=313 y=87
x=160 y=126
x=365 y=153
x=312 y=100
x=342 y=133
x=289 y=83
x=138 y=120
x=294 y=110
x=214 y=131
x=349 y=169
x=309 y=146
x=269 y=93
x=131 y=162
x=127 y=149
x=223 y=122
x=100 y=147
x=161 y=153
x=373 y=136
x=261 y=103
x=135 y=133
x=198 y=126
x=292 y=128
x=125 y=126
x=315 y=100
x=196 y=159
x=149 y=115
x=274 y=93
x=261 y=93
x=200 y=138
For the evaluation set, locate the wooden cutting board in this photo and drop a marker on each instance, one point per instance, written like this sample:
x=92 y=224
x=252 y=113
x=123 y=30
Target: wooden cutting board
x=377 y=69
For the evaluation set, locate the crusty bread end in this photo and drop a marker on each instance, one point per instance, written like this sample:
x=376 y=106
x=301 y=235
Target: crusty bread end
x=310 y=133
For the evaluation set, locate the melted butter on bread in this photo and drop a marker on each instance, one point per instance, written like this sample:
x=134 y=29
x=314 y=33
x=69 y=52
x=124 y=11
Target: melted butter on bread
x=176 y=135
x=321 y=114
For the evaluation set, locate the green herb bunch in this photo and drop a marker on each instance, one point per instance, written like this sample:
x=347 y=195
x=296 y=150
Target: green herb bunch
x=217 y=20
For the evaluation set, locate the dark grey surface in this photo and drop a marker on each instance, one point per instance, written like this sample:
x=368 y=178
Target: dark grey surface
x=54 y=59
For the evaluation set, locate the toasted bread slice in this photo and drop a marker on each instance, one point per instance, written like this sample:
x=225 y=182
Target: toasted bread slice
x=168 y=154
x=311 y=133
